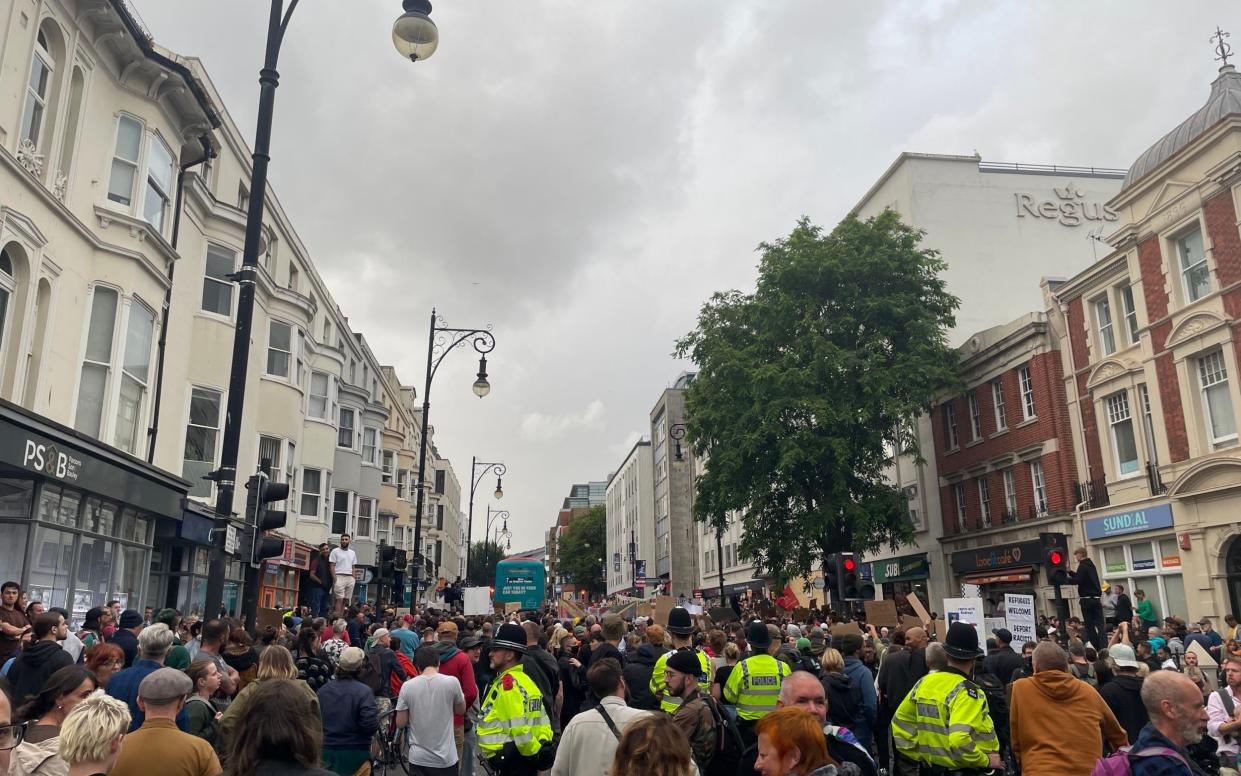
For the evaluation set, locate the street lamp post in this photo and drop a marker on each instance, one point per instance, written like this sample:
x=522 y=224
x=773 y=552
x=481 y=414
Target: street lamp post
x=498 y=514
x=442 y=340
x=415 y=37
x=475 y=478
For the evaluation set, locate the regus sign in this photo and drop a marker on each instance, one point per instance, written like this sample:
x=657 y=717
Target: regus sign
x=1068 y=208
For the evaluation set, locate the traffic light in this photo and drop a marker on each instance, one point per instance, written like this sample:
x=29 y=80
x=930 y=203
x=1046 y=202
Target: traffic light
x=1055 y=557
x=259 y=519
x=853 y=587
x=387 y=561
x=832 y=574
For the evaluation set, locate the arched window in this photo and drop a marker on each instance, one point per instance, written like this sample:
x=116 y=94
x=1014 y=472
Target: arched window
x=38 y=89
x=7 y=285
x=77 y=85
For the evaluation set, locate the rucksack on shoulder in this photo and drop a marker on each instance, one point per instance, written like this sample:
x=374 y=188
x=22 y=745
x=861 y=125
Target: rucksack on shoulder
x=729 y=746
x=1120 y=763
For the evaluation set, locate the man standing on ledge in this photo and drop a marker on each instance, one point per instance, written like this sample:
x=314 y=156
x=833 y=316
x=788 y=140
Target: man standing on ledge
x=343 y=560
x=1089 y=591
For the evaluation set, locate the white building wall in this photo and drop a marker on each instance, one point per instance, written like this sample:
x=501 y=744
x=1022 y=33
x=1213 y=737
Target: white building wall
x=630 y=509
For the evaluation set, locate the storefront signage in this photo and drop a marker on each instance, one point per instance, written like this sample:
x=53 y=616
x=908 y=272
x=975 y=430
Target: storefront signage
x=1134 y=521
x=1004 y=556
x=901 y=569
x=1068 y=208
x=64 y=458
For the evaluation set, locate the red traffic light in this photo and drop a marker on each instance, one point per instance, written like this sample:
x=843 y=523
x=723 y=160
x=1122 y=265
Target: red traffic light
x=850 y=564
x=1055 y=557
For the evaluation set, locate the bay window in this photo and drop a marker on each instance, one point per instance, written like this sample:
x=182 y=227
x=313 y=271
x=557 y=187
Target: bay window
x=370 y=438
x=317 y=404
x=279 y=348
x=217 y=288
x=344 y=433
x=158 y=199
x=135 y=369
x=387 y=458
x=366 y=518
x=340 y=511
x=97 y=361
x=312 y=493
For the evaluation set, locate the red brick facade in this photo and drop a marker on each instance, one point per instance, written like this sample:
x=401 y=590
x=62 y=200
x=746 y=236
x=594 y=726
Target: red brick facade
x=1221 y=221
x=1050 y=422
x=1075 y=323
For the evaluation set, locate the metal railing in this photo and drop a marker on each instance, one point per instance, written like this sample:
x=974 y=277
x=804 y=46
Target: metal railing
x=1093 y=493
x=1155 y=480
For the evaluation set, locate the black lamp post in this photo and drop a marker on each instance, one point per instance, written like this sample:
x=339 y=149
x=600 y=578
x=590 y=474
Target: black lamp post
x=493 y=515
x=415 y=37
x=475 y=478
x=441 y=341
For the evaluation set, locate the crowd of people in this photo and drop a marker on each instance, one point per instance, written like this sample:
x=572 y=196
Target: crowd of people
x=135 y=692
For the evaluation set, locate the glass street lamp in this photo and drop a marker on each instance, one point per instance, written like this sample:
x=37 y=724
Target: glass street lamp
x=414 y=34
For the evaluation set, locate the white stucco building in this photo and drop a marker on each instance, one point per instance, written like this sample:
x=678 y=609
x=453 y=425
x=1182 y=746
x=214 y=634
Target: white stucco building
x=630 y=504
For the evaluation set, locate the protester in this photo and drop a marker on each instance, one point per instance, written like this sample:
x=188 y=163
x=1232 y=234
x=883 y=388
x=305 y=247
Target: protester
x=1003 y=660
x=41 y=659
x=728 y=661
x=178 y=655
x=275 y=663
x=13 y=622
x=91 y=736
x=859 y=674
x=311 y=668
x=640 y=668
x=320 y=579
x=1041 y=742
x=1145 y=611
x=212 y=639
x=1089 y=591
x=456 y=664
x=126 y=636
x=427 y=704
x=37 y=754
x=1224 y=716
x=898 y=673
x=158 y=742
x=1177 y=721
x=282 y=735
x=790 y=743
x=682 y=672
x=802 y=690
x=202 y=718
x=590 y=739
x=343 y=559
x=153 y=645
x=651 y=747
x=387 y=669
x=350 y=715
x=681 y=628
x=1123 y=694
x=336 y=643
x=104 y=660
x=239 y=655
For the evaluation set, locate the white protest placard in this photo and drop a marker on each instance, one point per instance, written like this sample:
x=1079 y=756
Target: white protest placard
x=477 y=601
x=967 y=610
x=1019 y=613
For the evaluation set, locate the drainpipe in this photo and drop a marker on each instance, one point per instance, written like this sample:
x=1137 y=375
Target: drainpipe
x=153 y=431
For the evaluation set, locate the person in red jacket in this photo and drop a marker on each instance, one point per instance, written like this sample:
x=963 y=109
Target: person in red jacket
x=454 y=662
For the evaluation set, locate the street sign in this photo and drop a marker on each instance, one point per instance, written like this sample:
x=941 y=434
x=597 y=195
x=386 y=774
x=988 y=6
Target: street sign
x=230 y=540
x=363 y=576
x=817 y=583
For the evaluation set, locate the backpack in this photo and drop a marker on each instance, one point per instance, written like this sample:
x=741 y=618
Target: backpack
x=729 y=746
x=1226 y=699
x=997 y=704
x=1121 y=763
x=1085 y=673
x=372 y=675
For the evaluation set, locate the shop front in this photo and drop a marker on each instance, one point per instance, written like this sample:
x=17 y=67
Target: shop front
x=180 y=562
x=78 y=518
x=1011 y=567
x=904 y=575
x=1138 y=548
x=280 y=585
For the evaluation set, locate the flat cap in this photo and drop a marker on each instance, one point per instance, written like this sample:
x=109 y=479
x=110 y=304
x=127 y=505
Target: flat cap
x=165 y=684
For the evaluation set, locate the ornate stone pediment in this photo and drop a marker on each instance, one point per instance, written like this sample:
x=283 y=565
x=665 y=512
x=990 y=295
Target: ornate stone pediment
x=1107 y=370
x=1193 y=326
x=1212 y=475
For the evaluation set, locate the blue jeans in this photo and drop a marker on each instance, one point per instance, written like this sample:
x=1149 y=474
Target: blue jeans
x=318 y=601
x=471 y=751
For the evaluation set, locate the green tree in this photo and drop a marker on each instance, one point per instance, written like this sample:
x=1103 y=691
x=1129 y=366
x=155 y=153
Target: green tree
x=581 y=554
x=483 y=559
x=806 y=386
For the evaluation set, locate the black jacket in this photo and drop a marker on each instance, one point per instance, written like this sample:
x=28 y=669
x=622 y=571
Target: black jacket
x=33 y=666
x=1124 y=608
x=1002 y=663
x=900 y=671
x=128 y=642
x=1087 y=579
x=638 y=676
x=1123 y=697
x=844 y=699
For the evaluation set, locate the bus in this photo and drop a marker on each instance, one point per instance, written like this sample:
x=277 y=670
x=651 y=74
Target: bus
x=521 y=581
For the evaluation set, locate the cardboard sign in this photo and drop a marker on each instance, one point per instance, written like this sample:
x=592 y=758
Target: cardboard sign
x=801 y=614
x=723 y=614
x=767 y=610
x=663 y=606
x=908 y=622
x=265 y=617
x=477 y=601
x=1019 y=618
x=1204 y=657
x=845 y=628
x=918 y=608
x=881 y=613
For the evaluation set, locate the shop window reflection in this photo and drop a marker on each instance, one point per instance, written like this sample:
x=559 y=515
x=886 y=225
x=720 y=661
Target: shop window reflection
x=51 y=572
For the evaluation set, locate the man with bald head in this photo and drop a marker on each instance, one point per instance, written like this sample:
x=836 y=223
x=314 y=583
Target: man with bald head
x=900 y=670
x=1040 y=705
x=1178 y=721
x=805 y=691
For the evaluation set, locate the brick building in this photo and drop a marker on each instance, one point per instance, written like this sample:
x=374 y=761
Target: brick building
x=1150 y=354
x=1004 y=453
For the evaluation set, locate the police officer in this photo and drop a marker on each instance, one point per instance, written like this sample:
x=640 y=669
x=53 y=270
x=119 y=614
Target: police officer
x=682 y=630
x=943 y=725
x=514 y=730
x=754 y=684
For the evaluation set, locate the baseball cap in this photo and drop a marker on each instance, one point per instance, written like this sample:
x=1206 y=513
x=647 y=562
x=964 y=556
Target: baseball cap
x=408 y=618
x=351 y=659
x=448 y=627
x=1004 y=635
x=379 y=634
x=1123 y=655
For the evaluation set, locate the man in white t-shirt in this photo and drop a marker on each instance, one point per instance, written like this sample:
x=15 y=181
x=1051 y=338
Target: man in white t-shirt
x=426 y=703
x=343 y=560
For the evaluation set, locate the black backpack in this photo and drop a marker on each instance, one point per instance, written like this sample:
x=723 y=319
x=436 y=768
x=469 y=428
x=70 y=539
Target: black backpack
x=729 y=746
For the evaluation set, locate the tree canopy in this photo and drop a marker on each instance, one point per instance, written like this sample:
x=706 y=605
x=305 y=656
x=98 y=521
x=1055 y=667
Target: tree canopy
x=805 y=388
x=484 y=556
x=581 y=554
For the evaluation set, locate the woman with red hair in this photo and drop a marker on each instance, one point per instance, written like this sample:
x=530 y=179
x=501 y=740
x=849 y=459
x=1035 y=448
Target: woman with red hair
x=103 y=660
x=791 y=743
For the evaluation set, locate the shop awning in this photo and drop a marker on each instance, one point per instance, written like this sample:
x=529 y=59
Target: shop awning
x=996 y=579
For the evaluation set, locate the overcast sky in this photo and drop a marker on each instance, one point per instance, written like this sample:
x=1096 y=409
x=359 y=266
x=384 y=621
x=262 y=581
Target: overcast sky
x=584 y=174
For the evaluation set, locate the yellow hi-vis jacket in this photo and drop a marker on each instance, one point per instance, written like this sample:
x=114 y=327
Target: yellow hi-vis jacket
x=944 y=721
x=754 y=686
x=659 y=687
x=513 y=711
